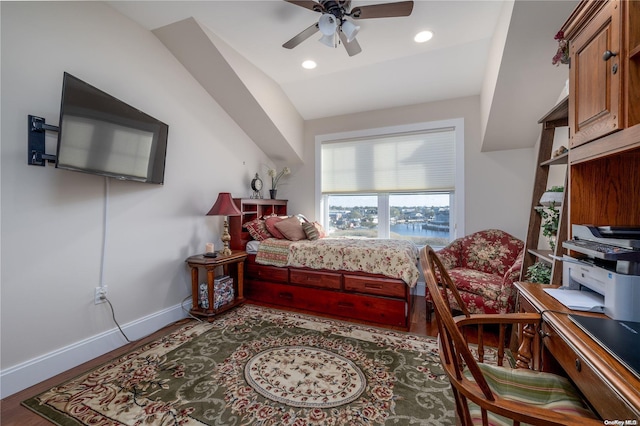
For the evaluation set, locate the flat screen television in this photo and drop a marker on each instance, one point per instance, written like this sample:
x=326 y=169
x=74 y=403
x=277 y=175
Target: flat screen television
x=102 y=135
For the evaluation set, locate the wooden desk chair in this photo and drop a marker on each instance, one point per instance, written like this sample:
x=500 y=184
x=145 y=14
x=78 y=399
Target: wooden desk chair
x=489 y=394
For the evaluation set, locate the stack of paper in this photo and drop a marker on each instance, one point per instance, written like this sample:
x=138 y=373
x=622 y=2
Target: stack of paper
x=578 y=300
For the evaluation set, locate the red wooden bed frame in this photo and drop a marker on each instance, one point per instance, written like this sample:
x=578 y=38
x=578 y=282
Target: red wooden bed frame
x=348 y=295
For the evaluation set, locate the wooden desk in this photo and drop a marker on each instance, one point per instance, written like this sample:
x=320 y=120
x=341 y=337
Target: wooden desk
x=236 y=258
x=611 y=389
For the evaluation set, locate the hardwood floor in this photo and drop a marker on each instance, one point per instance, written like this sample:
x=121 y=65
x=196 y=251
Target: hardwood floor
x=12 y=413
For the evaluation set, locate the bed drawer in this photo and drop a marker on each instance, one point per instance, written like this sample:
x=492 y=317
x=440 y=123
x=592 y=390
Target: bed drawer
x=379 y=310
x=377 y=286
x=316 y=279
x=267 y=273
x=292 y=296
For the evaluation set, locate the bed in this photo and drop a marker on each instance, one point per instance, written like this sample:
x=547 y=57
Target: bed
x=366 y=280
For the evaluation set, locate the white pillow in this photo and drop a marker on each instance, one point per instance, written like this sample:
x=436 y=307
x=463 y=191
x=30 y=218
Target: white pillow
x=252 y=246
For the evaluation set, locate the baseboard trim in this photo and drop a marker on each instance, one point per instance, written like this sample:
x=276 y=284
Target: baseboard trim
x=36 y=370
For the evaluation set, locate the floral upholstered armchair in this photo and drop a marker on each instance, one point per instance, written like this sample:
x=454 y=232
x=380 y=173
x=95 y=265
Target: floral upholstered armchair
x=484 y=266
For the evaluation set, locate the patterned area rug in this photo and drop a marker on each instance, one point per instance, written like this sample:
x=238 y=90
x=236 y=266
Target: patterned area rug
x=259 y=366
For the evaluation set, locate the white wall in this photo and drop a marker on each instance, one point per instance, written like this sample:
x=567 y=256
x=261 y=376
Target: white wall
x=497 y=184
x=52 y=220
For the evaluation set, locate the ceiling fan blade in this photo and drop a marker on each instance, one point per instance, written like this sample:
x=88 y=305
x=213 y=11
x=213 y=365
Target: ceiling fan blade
x=302 y=36
x=352 y=47
x=307 y=4
x=386 y=10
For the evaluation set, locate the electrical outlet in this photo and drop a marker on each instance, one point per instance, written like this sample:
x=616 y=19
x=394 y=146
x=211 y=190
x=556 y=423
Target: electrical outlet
x=101 y=295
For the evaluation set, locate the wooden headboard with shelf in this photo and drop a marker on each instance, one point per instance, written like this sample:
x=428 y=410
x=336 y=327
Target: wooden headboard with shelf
x=251 y=208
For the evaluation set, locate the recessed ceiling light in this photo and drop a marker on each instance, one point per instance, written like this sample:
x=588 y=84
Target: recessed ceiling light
x=309 y=65
x=423 y=36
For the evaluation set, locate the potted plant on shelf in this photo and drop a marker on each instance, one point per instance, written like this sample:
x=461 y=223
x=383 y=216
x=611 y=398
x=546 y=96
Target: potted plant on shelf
x=550 y=218
x=539 y=272
x=554 y=195
x=549 y=210
x=562 y=54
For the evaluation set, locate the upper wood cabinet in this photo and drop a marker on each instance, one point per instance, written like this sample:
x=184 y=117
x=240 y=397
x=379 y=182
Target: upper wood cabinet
x=604 y=78
x=596 y=70
x=604 y=113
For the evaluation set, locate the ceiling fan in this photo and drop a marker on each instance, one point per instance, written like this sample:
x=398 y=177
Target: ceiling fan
x=334 y=21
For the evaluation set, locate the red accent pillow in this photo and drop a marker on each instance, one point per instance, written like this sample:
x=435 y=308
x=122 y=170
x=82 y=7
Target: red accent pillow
x=258 y=229
x=270 y=222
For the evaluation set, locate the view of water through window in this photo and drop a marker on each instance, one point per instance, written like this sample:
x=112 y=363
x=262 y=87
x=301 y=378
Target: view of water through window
x=421 y=218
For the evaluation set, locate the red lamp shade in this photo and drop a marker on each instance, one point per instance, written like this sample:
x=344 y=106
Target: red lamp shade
x=224 y=206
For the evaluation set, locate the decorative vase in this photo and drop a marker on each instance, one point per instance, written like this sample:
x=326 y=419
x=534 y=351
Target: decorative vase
x=552 y=197
x=273 y=193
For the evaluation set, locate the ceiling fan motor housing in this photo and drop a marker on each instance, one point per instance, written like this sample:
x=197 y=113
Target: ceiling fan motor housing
x=336 y=8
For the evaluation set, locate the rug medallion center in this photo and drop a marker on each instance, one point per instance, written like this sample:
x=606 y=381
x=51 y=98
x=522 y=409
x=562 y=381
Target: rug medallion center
x=302 y=376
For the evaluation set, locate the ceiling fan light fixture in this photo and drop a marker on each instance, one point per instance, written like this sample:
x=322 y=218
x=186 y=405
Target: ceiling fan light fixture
x=336 y=28
x=423 y=36
x=328 y=40
x=327 y=24
x=350 y=30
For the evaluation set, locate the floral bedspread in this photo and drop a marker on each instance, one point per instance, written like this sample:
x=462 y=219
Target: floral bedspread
x=392 y=258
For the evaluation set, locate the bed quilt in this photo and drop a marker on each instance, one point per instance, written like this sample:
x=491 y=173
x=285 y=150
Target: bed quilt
x=392 y=258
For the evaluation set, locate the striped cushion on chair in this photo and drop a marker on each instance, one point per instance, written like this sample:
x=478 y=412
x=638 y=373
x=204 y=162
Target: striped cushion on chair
x=543 y=390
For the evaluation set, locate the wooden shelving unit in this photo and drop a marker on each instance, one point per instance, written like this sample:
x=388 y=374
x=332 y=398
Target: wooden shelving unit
x=252 y=208
x=557 y=117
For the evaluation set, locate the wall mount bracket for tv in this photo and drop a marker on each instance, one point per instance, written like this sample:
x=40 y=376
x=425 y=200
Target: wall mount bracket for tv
x=36 y=155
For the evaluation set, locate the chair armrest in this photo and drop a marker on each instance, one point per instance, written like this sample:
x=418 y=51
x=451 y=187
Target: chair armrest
x=513 y=273
x=508 y=319
x=451 y=255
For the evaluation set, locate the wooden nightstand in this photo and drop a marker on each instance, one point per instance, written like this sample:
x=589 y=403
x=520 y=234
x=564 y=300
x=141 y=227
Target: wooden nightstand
x=236 y=259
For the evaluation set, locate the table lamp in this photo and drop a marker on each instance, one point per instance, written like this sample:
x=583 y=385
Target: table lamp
x=224 y=206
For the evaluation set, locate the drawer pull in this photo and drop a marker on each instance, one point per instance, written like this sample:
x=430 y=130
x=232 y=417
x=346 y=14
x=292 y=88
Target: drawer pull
x=285 y=295
x=578 y=365
x=345 y=305
x=373 y=286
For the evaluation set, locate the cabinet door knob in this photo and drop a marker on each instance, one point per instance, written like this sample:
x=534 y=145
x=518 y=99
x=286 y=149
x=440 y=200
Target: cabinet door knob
x=608 y=55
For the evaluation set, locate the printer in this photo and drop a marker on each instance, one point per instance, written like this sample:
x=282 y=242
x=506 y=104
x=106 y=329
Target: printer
x=606 y=261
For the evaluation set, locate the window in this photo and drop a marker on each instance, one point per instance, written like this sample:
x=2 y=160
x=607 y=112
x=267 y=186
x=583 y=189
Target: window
x=400 y=182
x=419 y=217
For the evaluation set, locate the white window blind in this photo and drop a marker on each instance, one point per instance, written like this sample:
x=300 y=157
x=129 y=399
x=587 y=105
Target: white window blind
x=401 y=162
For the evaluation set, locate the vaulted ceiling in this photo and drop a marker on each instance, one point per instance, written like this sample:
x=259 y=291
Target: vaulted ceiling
x=500 y=50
